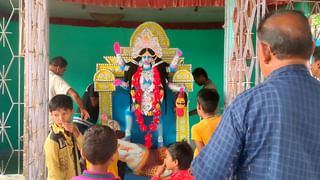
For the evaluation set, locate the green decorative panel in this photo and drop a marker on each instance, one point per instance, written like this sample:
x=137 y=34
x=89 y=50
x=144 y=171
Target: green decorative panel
x=11 y=95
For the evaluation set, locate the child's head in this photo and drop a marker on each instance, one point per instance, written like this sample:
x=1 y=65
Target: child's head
x=61 y=109
x=99 y=145
x=207 y=100
x=179 y=156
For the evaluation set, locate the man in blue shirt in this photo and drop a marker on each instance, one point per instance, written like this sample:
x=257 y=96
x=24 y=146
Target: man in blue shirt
x=271 y=131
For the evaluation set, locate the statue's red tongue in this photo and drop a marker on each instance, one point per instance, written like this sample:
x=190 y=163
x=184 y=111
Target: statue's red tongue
x=180 y=112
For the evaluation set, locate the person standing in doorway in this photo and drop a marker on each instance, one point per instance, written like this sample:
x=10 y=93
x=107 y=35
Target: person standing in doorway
x=57 y=85
x=200 y=76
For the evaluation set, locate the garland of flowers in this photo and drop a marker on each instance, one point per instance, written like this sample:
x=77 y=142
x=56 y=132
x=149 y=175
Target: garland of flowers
x=136 y=94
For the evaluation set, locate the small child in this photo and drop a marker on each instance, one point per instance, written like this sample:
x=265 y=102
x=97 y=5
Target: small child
x=178 y=160
x=64 y=140
x=100 y=150
x=207 y=103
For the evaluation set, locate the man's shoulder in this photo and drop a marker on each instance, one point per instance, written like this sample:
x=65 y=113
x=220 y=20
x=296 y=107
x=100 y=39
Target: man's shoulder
x=252 y=92
x=209 y=85
x=52 y=74
x=54 y=77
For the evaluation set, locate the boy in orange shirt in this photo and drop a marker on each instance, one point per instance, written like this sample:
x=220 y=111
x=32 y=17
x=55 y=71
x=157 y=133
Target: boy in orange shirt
x=207 y=102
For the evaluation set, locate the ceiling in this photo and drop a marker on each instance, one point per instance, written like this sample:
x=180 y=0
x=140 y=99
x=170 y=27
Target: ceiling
x=60 y=9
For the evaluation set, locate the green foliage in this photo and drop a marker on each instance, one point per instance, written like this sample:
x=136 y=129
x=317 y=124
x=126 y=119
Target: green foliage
x=316 y=19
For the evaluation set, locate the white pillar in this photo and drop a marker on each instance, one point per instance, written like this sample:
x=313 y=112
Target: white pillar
x=36 y=46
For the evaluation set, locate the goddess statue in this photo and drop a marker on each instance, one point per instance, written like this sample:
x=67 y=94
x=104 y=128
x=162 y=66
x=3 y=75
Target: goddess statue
x=146 y=76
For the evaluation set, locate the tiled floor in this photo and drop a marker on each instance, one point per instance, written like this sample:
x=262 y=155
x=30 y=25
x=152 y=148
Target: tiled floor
x=11 y=177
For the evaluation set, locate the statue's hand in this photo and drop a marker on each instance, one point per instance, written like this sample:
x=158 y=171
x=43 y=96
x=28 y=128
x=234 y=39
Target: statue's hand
x=174 y=62
x=116 y=47
x=183 y=89
x=117 y=82
x=179 y=52
x=120 y=83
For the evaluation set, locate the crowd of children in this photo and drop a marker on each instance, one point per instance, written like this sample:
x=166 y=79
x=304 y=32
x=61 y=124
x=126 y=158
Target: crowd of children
x=98 y=145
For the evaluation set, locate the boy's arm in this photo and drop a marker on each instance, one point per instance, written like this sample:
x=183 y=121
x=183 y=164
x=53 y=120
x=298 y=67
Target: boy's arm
x=195 y=136
x=199 y=145
x=84 y=113
x=159 y=171
x=52 y=160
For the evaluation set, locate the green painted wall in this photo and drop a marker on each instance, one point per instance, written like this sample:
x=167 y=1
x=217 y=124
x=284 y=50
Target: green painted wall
x=83 y=47
x=9 y=100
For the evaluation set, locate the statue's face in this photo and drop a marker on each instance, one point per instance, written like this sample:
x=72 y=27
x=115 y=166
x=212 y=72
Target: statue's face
x=180 y=103
x=146 y=58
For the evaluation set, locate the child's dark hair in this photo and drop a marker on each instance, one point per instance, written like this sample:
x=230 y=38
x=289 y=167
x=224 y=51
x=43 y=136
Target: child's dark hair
x=99 y=144
x=182 y=152
x=60 y=102
x=208 y=100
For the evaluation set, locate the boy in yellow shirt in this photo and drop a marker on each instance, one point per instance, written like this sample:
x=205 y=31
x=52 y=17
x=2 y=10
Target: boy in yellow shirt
x=63 y=142
x=207 y=103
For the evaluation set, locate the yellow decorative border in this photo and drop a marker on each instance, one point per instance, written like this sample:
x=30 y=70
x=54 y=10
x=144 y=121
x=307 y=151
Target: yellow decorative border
x=114 y=68
x=104 y=75
x=182 y=76
x=156 y=30
x=182 y=126
x=105 y=100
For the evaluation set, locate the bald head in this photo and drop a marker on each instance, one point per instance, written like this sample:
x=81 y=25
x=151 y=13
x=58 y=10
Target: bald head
x=287 y=33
